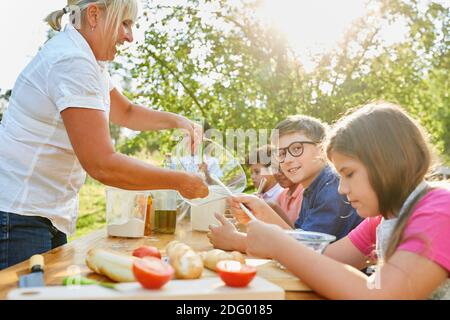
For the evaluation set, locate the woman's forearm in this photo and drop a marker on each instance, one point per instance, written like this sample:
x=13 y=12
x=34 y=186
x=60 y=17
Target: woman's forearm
x=139 y=118
x=124 y=172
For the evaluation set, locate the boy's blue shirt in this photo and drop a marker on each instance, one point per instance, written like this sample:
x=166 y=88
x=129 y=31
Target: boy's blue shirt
x=324 y=209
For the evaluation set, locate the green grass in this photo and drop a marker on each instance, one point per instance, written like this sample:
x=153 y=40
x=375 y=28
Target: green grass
x=92 y=209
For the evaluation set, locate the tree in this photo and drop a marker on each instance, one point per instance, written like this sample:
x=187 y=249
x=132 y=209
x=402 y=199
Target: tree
x=233 y=74
x=412 y=73
x=215 y=59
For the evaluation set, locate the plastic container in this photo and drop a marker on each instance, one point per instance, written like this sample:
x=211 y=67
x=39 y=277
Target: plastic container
x=126 y=212
x=202 y=216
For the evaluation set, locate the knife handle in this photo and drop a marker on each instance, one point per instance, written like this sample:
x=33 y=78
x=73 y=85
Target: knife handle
x=37 y=263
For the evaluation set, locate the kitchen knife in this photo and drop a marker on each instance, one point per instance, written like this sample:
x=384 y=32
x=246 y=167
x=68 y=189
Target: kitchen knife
x=36 y=276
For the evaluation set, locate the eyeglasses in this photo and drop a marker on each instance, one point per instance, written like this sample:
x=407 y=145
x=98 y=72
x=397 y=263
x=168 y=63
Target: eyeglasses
x=295 y=149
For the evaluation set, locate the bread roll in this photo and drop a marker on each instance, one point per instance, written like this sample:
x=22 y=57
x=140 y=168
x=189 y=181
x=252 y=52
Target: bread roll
x=114 y=265
x=212 y=257
x=186 y=262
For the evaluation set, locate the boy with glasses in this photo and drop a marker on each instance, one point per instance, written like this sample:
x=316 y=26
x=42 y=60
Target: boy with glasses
x=302 y=159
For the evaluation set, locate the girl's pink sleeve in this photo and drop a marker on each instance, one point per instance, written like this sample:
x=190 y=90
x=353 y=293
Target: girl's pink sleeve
x=363 y=236
x=428 y=231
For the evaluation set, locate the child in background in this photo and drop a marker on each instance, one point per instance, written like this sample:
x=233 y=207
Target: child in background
x=169 y=162
x=259 y=170
x=289 y=201
x=382 y=157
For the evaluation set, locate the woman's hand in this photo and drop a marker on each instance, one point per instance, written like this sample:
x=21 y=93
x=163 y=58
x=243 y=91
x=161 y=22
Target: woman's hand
x=194 y=130
x=226 y=236
x=192 y=186
x=258 y=206
x=263 y=239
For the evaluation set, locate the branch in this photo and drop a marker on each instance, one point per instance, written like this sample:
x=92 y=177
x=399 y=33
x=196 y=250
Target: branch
x=175 y=74
x=366 y=44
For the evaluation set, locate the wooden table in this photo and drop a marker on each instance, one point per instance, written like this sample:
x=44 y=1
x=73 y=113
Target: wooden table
x=63 y=261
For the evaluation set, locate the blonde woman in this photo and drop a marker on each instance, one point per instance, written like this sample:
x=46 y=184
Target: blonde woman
x=56 y=129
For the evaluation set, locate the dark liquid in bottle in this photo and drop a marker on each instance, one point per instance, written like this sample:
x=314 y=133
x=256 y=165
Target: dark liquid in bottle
x=165 y=221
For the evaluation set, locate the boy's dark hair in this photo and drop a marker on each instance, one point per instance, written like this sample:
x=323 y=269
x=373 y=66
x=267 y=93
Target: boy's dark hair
x=311 y=127
x=263 y=156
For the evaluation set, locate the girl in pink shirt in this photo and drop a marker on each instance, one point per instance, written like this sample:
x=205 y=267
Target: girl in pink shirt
x=382 y=157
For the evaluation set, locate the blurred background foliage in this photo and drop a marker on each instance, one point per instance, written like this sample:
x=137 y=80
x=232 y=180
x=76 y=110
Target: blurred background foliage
x=231 y=69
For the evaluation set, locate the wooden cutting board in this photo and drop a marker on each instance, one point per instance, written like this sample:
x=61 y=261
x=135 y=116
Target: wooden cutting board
x=270 y=270
x=211 y=288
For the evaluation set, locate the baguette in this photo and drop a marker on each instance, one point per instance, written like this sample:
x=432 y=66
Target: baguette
x=212 y=257
x=186 y=262
x=116 y=266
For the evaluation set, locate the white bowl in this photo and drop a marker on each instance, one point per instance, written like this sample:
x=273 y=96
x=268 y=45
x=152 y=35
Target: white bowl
x=314 y=240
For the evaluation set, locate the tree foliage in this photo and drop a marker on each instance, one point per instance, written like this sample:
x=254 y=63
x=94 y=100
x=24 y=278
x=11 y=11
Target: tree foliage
x=214 y=59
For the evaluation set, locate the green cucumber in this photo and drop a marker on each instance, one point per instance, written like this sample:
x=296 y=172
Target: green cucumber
x=82 y=281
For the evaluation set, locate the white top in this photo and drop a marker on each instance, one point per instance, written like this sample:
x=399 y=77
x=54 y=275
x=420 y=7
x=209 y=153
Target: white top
x=272 y=194
x=40 y=174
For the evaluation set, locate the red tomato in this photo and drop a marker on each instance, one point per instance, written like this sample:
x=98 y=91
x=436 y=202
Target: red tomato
x=151 y=272
x=147 y=251
x=235 y=274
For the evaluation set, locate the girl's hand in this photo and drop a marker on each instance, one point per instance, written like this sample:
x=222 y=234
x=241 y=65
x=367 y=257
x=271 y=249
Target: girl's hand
x=263 y=239
x=225 y=236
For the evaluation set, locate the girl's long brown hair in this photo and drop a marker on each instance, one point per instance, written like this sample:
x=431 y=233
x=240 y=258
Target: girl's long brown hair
x=395 y=152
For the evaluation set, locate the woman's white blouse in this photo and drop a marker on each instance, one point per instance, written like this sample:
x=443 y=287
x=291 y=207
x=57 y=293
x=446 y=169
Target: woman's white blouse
x=40 y=174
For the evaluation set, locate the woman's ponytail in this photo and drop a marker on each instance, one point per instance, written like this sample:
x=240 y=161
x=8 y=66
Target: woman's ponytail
x=54 y=19
x=117 y=11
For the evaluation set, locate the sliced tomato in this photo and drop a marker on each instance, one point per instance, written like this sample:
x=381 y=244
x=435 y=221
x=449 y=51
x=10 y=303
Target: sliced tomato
x=147 y=251
x=151 y=272
x=234 y=273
